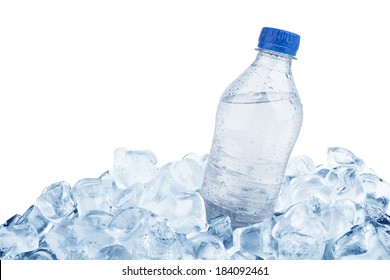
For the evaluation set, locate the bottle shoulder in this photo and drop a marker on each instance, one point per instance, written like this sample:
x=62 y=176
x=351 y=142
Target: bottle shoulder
x=256 y=81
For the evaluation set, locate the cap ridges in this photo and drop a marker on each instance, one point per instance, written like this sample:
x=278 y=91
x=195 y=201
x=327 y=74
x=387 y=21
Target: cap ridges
x=279 y=40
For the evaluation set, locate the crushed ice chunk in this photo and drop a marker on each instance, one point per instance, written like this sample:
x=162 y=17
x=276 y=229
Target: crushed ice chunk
x=92 y=194
x=300 y=165
x=56 y=202
x=222 y=228
x=158 y=195
x=378 y=191
x=167 y=196
x=304 y=188
x=11 y=221
x=296 y=246
x=35 y=218
x=16 y=239
x=377 y=217
x=248 y=239
x=361 y=242
x=188 y=214
x=322 y=171
x=204 y=247
x=144 y=234
x=257 y=240
x=38 y=254
x=98 y=219
x=268 y=242
x=347 y=183
x=338 y=156
x=384 y=238
x=114 y=252
x=300 y=218
x=340 y=217
x=132 y=167
x=82 y=240
x=244 y=256
x=188 y=173
x=129 y=197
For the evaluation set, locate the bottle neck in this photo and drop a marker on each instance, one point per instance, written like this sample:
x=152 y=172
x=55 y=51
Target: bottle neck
x=273 y=61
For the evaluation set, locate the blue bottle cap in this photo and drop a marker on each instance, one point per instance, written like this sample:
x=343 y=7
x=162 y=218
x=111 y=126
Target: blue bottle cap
x=279 y=41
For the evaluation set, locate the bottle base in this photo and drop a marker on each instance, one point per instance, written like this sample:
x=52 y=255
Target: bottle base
x=238 y=218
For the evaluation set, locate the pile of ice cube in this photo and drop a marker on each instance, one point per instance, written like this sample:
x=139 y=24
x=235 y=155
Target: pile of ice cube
x=339 y=210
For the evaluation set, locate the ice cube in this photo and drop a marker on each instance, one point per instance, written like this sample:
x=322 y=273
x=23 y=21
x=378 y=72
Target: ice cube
x=384 y=238
x=381 y=222
x=166 y=197
x=188 y=173
x=11 y=221
x=132 y=167
x=129 y=197
x=248 y=239
x=98 y=219
x=160 y=241
x=378 y=191
x=269 y=244
x=303 y=188
x=144 y=234
x=322 y=171
x=361 y=242
x=347 y=183
x=338 y=156
x=300 y=165
x=188 y=213
x=204 y=247
x=77 y=239
x=244 y=256
x=17 y=239
x=377 y=216
x=222 y=228
x=296 y=246
x=35 y=218
x=302 y=219
x=341 y=217
x=158 y=194
x=114 y=252
x=127 y=222
x=200 y=160
x=56 y=202
x=94 y=194
x=39 y=254
x=257 y=240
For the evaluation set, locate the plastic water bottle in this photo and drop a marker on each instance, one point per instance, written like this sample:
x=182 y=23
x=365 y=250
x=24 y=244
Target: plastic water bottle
x=257 y=123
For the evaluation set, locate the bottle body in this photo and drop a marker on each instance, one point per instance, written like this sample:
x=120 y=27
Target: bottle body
x=258 y=121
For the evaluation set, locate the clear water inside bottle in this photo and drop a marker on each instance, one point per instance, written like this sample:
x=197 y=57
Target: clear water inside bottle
x=253 y=139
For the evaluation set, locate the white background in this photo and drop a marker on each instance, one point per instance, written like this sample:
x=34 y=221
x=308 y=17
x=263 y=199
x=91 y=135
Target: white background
x=81 y=78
